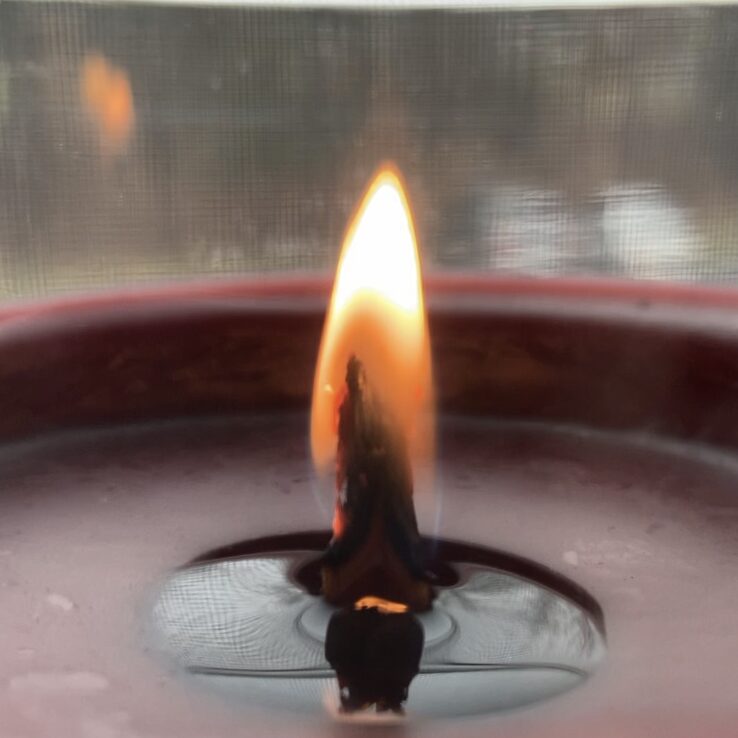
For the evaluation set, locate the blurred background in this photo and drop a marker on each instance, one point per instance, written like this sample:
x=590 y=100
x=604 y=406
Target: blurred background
x=158 y=142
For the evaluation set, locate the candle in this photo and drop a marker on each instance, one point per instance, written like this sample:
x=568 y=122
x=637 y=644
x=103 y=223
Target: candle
x=553 y=468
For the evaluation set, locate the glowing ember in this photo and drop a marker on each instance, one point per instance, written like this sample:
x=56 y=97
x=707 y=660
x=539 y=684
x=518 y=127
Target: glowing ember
x=377 y=314
x=379 y=603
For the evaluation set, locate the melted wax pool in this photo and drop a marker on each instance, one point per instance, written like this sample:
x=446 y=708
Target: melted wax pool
x=505 y=634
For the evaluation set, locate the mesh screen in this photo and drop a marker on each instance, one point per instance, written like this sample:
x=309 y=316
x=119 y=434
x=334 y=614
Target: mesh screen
x=245 y=615
x=144 y=142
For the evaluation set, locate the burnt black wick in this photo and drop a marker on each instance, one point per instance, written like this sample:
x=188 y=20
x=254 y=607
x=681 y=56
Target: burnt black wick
x=374 y=567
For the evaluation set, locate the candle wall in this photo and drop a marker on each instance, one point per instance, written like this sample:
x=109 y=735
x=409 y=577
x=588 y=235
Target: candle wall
x=94 y=521
x=657 y=360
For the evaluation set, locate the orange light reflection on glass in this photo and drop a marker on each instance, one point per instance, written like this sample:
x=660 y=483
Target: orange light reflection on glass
x=107 y=96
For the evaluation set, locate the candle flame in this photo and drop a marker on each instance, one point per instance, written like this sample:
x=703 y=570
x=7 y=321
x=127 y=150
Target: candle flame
x=377 y=313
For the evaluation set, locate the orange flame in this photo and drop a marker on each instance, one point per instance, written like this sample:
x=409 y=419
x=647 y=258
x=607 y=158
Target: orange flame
x=106 y=93
x=377 y=313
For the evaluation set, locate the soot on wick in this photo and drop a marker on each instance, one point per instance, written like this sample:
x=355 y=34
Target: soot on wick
x=374 y=566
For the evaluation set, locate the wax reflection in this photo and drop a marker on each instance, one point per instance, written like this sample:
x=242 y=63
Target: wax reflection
x=375 y=655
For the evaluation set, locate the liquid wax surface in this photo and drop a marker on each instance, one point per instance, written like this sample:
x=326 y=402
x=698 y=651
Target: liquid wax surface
x=100 y=520
x=503 y=641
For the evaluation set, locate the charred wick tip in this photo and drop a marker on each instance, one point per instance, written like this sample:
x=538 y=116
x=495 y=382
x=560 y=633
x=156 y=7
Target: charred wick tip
x=376 y=549
x=378 y=553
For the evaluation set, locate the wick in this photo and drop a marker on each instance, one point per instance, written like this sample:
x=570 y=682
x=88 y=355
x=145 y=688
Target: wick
x=376 y=550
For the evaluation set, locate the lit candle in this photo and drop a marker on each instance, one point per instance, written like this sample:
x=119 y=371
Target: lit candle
x=371 y=415
x=372 y=404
